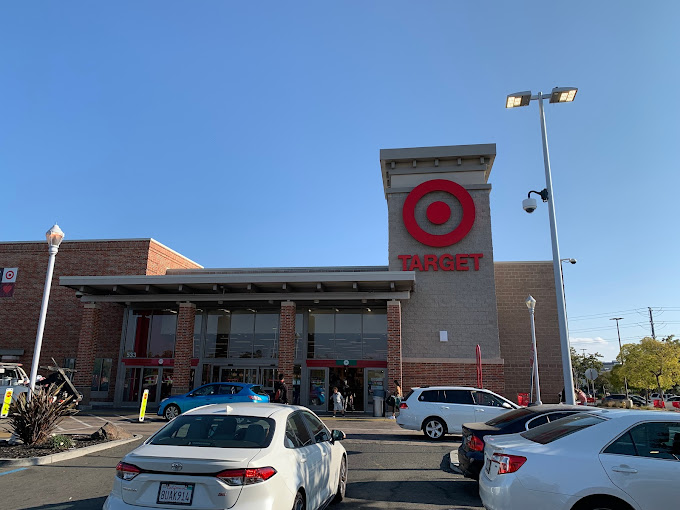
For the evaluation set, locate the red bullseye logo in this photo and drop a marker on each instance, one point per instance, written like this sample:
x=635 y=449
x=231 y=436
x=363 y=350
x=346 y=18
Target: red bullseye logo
x=439 y=213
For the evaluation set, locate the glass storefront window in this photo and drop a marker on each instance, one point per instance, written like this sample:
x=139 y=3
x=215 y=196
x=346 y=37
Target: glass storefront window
x=375 y=335
x=101 y=374
x=198 y=323
x=348 y=335
x=266 y=335
x=217 y=334
x=241 y=335
x=150 y=334
x=299 y=328
x=320 y=335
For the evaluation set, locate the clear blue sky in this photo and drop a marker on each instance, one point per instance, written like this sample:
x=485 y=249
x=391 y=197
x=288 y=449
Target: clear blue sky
x=248 y=134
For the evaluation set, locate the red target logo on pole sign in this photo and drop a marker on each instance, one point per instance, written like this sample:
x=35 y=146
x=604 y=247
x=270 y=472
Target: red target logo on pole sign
x=439 y=213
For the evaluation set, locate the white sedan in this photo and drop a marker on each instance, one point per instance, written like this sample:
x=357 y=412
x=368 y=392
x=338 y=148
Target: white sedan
x=602 y=459
x=241 y=456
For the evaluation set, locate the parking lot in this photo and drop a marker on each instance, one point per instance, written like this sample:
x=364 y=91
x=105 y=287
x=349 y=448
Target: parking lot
x=388 y=468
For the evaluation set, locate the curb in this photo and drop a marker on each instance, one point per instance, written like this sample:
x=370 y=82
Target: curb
x=71 y=454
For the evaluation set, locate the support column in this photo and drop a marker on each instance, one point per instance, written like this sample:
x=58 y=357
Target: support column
x=394 y=344
x=184 y=349
x=287 y=344
x=87 y=344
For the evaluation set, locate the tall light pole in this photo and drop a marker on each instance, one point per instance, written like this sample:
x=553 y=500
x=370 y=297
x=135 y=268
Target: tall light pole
x=54 y=237
x=558 y=95
x=566 y=313
x=618 y=331
x=531 y=304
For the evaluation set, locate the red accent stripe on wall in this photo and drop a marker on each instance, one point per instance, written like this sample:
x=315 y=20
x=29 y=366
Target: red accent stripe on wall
x=153 y=362
x=359 y=363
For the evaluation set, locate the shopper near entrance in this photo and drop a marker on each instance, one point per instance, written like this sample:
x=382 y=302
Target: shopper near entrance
x=281 y=394
x=396 y=399
x=338 y=401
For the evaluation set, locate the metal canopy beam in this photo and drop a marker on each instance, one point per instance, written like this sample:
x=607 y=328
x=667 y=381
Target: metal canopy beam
x=303 y=296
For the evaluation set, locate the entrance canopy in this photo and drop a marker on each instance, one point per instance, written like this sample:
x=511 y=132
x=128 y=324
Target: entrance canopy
x=349 y=285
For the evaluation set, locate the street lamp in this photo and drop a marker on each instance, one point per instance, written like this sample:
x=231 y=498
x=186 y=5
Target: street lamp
x=559 y=95
x=618 y=331
x=531 y=304
x=54 y=237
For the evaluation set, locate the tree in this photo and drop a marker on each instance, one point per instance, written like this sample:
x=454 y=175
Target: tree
x=582 y=362
x=651 y=363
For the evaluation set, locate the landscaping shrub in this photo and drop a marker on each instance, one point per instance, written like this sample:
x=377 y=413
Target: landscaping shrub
x=33 y=421
x=60 y=442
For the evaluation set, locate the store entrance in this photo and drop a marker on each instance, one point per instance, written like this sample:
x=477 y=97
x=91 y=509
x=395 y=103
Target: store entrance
x=137 y=379
x=350 y=383
x=249 y=375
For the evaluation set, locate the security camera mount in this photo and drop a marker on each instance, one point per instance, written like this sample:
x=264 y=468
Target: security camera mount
x=543 y=194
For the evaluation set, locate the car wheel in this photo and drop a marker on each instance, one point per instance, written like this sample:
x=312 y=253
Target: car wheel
x=299 y=503
x=342 y=482
x=434 y=429
x=601 y=503
x=171 y=412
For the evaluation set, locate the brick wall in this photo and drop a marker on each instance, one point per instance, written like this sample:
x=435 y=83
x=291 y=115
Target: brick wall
x=162 y=258
x=453 y=374
x=19 y=314
x=394 y=355
x=184 y=347
x=514 y=282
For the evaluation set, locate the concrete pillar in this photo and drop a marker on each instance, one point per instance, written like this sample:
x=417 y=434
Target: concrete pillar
x=184 y=349
x=394 y=370
x=287 y=344
x=87 y=345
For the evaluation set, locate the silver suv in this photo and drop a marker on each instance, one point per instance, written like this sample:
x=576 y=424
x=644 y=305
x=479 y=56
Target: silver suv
x=440 y=410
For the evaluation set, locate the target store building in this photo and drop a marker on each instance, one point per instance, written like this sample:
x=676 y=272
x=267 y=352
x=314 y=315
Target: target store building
x=132 y=314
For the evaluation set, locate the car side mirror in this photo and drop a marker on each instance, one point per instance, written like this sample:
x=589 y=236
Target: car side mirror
x=506 y=405
x=337 y=435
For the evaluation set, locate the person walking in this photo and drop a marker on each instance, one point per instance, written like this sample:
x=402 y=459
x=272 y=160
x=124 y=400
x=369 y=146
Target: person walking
x=281 y=395
x=398 y=395
x=338 y=401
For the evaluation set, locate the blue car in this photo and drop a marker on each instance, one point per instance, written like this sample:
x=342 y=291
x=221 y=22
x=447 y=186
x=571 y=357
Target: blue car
x=213 y=393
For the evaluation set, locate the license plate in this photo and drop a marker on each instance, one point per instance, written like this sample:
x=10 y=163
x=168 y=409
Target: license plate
x=176 y=493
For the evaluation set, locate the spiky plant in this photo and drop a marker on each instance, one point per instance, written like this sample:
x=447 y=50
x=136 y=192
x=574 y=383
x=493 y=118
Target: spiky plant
x=34 y=420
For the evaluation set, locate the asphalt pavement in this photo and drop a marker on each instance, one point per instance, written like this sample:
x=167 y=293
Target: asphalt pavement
x=388 y=468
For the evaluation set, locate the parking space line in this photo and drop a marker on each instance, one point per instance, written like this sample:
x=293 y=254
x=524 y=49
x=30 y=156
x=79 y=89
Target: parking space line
x=98 y=417
x=81 y=422
x=12 y=471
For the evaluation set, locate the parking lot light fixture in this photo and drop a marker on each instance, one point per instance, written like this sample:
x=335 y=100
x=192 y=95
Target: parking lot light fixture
x=531 y=305
x=54 y=238
x=560 y=94
x=563 y=94
x=518 y=99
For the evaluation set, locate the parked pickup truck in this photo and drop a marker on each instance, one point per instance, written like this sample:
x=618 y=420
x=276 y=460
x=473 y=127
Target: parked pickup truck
x=13 y=376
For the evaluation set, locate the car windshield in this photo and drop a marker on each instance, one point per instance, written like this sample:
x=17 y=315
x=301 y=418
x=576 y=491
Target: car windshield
x=509 y=416
x=554 y=430
x=216 y=431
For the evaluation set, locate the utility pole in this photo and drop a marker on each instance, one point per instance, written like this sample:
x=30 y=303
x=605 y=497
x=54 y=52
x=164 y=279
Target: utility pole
x=625 y=379
x=651 y=322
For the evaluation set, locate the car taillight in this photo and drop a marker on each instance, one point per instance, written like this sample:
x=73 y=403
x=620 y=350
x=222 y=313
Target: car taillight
x=126 y=471
x=508 y=463
x=403 y=405
x=246 y=476
x=253 y=397
x=475 y=444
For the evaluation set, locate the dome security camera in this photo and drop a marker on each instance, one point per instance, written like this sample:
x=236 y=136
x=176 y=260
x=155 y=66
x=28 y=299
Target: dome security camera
x=529 y=205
